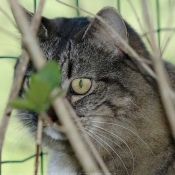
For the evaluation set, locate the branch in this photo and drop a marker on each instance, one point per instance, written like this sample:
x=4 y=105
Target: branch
x=126 y=47
x=168 y=38
x=162 y=77
x=158 y=30
x=71 y=131
x=16 y=86
x=38 y=142
x=138 y=19
x=92 y=147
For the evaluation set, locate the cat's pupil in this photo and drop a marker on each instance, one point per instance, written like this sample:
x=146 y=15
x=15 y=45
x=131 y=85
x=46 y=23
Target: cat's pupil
x=81 y=83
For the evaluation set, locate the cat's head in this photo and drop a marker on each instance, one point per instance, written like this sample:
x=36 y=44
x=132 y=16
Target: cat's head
x=115 y=98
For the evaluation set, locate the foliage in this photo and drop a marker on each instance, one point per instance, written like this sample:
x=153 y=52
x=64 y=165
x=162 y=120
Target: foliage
x=41 y=84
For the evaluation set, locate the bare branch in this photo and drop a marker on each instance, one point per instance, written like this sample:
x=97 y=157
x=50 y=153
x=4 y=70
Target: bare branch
x=38 y=142
x=93 y=149
x=126 y=47
x=162 y=78
x=168 y=39
x=159 y=30
x=31 y=42
x=71 y=131
x=37 y=18
x=16 y=86
x=170 y=21
x=138 y=19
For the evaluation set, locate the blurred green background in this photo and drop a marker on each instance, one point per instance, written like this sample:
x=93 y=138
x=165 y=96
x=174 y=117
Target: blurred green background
x=18 y=143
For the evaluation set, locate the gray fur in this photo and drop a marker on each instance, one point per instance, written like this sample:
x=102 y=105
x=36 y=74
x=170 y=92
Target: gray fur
x=122 y=110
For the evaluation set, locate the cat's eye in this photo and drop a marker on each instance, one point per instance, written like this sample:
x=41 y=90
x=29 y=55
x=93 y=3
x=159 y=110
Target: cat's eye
x=81 y=85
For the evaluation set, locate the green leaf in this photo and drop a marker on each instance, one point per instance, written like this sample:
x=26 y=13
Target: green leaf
x=41 y=85
x=22 y=104
x=50 y=73
x=39 y=92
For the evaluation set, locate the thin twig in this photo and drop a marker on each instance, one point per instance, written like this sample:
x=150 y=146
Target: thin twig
x=38 y=142
x=37 y=18
x=142 y=60
x=138 y=19
x=168 y=38
x=93 y=149
x=16 y=86
x=126 y=47
x=167 y=41
x=162 y=78
x=52 y=124
x=31 y=42
x=71 y=131
x=159 y=30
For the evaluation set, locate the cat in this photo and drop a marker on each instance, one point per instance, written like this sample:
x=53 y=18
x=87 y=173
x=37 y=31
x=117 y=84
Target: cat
x=117 y=101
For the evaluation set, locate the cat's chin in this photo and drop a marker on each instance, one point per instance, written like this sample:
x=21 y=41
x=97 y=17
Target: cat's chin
x=56 y=135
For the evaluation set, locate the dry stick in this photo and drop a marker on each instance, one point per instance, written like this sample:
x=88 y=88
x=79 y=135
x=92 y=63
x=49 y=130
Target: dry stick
x=126 y=47
x=37 y=18
x=28 y=37
x=17 y=82
x=38 y=142
x=94 y=150
x=155 y=31
x=35 y=26
x=52 y=124
x=71 y=131
x=169 y=24
x=143 y=60
x=162 y=78
x=138 y=19
x=167 y=41
x=16 y=86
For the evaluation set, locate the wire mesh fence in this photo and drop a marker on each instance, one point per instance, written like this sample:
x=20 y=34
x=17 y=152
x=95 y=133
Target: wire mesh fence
x=158 y=30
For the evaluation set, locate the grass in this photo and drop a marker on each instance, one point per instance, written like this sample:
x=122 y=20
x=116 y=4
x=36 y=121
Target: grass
x=17 y=147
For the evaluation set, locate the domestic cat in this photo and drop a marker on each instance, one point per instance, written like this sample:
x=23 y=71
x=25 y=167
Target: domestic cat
x=117 y=101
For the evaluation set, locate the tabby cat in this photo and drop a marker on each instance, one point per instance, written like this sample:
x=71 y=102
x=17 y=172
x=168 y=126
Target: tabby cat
x=117 y=101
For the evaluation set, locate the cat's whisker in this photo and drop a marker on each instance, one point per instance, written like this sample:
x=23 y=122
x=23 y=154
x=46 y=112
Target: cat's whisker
x=117 y=146
x=116 y=136
x=23 y=114
x=138 y=108
x=127 y=130
x=113 y=151
x=19 y=128
x=111 y=141
x=97 y=140
x=20 y=138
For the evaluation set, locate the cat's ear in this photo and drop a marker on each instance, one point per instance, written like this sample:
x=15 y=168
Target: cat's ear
x=44 y=25
x=98 y=29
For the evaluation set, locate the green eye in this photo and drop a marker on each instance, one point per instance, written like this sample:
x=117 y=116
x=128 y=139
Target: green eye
x=81 y=85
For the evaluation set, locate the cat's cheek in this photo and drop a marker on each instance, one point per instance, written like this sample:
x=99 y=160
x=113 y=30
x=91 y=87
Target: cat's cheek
x=54 y=134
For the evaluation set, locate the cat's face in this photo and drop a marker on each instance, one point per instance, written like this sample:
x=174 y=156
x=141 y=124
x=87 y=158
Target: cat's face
x=114 y=97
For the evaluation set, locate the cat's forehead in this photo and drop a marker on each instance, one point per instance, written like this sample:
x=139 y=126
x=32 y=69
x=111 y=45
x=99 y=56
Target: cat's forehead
x=90 y=58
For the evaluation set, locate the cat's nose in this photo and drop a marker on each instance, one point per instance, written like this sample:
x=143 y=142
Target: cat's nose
x=51 y=113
